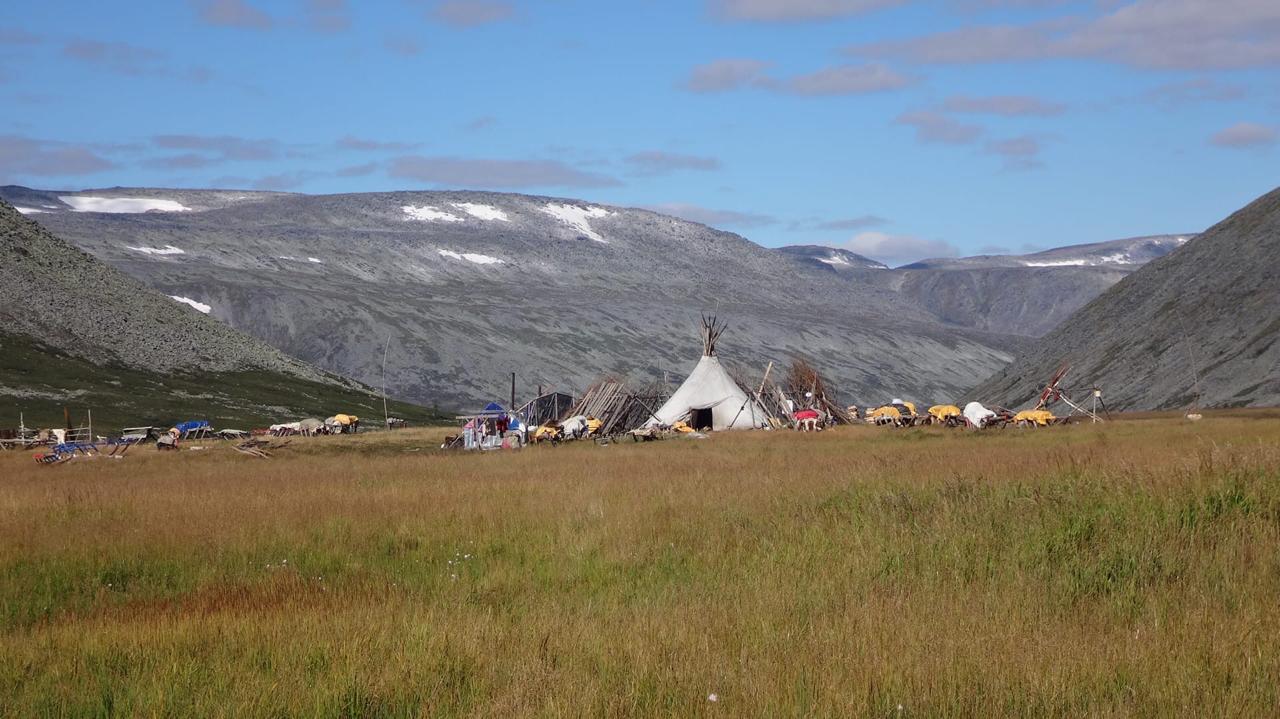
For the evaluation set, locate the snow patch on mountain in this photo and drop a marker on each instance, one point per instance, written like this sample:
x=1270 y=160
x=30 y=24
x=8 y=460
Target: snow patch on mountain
x=427 y=213
x=202 y=307
x=166 y=250
x=1059 y=263
x=315 y=260
x=28 y=210
x=577 y=218
x=482 y=212
x=471 y=257
x=123 y=205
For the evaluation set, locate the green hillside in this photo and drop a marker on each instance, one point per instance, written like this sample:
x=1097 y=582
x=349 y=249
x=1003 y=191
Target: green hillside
x=38 y=381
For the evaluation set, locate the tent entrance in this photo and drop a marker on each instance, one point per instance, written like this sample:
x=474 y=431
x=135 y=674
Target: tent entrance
x=701 y=419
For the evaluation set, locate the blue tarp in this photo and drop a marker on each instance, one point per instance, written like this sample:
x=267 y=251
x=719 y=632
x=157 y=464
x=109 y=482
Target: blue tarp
x=192 y=425
x=493 y=409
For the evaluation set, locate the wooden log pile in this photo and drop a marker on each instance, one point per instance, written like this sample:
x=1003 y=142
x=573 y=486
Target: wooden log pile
x=618 y=406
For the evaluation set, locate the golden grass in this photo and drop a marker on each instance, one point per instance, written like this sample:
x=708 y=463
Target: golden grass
x=1123 y=569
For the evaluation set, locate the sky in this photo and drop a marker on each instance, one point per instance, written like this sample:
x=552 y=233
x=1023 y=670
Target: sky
x=899 y=129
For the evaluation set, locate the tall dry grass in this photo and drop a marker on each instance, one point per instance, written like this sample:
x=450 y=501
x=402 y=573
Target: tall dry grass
x=1125 y=569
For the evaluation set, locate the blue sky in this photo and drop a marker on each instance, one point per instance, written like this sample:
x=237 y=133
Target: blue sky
x=895 y=128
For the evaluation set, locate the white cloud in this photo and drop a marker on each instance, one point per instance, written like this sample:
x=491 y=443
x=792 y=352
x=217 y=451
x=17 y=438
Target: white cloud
x=1005 y=105
x=1162 y=34
x=471 y=13
x=933 y=126
x=1018 y=153
x=794 y=10
x=726 y=74
x=846 y=80
x=1244 y=135
x=896 y=249
x=740 y=73
x=492 y=173
x=712 y=217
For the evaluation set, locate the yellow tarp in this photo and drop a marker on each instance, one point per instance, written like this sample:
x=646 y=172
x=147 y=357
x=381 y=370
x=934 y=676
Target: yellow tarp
x=1040 y=417
x=681 y=426
x=885 y=411
x=345 y=419
x=910 y=406
x=943 y=411
x=594 y=425
x=545 y=432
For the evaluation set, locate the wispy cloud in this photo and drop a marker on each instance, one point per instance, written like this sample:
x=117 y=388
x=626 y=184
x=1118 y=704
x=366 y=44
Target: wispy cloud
x=739 y=73
x=1244 y=135
x=794 y=10
x=846 y=80
x=232 y=13
x=1004 y=105
x=367 y=168
x=185 y=161
x=327 y=15
x=402 y=45
x=861 y=222
x=118 y=57
x=936 y=127
x=1195 y=90
x=350 y=142
x=495 y=173
x=657 y=162
x=713 y=217
x=1163 y=34
x=20 y=155
x=726 y=74
x=285 y=180
x=14 y=36
x=1017 y=153
x=896 y=249
x=225 y=147
x=471 y=13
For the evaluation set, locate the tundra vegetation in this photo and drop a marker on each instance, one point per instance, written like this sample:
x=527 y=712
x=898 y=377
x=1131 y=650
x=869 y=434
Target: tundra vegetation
x=1123 y=569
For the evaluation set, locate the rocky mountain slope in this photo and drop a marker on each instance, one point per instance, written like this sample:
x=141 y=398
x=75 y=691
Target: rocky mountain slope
x=831 y=258
x=1127 y=254
x=1006 y=294
x=1207 y=314
x=471 y=286
x=65 y=316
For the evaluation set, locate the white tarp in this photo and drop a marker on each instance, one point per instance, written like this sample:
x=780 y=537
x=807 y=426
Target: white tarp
x=977 y=414
x=709 y=386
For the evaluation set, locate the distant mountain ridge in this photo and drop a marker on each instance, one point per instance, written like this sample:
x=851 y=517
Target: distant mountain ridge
x=471 y=286
x=74 y=331
x=1196 y=327
x=1122 y=254
x=831 y=258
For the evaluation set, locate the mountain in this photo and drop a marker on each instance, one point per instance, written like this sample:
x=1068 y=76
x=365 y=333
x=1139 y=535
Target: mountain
x=1128 y=254
x=831 y=258
x=77 y=332
x=471 y=286
x=1207 y=314
x=1024 y=295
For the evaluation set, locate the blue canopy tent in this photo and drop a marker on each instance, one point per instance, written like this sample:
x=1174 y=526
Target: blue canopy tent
x=484 y=429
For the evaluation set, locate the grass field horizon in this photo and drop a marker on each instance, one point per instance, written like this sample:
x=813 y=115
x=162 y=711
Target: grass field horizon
x=1122 y=569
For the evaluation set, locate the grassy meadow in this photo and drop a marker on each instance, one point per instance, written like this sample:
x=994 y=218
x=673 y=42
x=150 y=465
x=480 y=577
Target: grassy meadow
x=1126 y=569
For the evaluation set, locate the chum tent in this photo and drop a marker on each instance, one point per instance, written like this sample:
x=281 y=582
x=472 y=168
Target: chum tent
x=709 y=397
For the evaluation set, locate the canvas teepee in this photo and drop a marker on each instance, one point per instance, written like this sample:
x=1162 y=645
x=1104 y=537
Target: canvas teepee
x=709 y=397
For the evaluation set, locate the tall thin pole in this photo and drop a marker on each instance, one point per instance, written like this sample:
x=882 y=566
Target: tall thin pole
x=513 y=390
x=386 y=417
